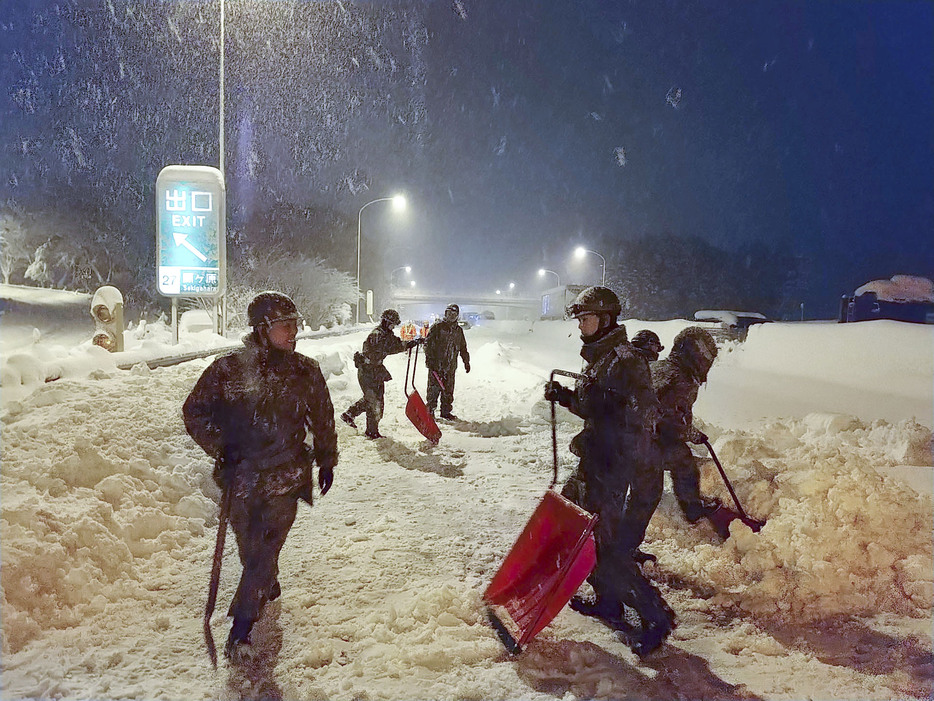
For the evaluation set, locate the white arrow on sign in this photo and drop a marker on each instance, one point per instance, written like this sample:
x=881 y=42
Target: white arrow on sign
x=182 y=240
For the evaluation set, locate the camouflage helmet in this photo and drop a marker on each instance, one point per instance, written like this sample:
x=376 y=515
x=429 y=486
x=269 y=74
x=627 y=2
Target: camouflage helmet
x=391 y=316
x=452 y=308
x=694 y=348
x=595 y=300
x=268 y=307
x=648 y=340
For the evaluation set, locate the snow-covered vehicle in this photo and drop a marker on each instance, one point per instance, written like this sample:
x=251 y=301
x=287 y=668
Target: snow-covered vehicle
x=902 y=298
x=730 y=325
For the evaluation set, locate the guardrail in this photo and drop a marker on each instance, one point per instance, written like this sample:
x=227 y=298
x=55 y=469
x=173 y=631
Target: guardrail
x=170 y=360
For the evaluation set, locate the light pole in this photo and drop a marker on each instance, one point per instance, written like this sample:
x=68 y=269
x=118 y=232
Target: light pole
x=512 y=288
x=580 y=252
x=406 y=268
x=398 y=203
x=542 y=271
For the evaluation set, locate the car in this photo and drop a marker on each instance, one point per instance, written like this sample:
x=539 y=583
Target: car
x=730 y=325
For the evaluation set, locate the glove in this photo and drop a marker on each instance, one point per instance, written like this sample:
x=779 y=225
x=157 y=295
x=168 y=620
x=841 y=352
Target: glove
x=410 y=344
x=697 y=437
x=325 y=478
x=555 y=392
x=467 y=366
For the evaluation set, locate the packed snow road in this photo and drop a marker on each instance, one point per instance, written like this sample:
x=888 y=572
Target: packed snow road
x=109 y=516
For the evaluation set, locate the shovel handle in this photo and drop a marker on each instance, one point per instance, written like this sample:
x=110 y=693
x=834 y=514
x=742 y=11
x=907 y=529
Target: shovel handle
x=405 y=385
x=726 y=481
x=554 y=422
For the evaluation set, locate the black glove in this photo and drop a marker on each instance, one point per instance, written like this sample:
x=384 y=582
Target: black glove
x=697 y=437
x=555 y=392
x=325 y=478
x=466 y=366
x=412 y=343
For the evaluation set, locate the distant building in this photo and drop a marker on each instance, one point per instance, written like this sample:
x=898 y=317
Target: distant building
x=903 y=298
x=557 y=298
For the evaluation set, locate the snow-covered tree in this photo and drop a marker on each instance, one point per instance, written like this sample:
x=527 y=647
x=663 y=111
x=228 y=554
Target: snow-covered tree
x=15 y=251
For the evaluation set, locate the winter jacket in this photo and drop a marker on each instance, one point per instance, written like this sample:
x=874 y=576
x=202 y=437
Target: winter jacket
x=445 y=342
x=378 y=344
x=676 y=389
x=615 y=398
x=250 y=411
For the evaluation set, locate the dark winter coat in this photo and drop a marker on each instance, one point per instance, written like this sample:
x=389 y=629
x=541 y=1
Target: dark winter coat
x=615 y=398
x=445 y=342
x=380 y=342
x=250 y=410
x=676 y=388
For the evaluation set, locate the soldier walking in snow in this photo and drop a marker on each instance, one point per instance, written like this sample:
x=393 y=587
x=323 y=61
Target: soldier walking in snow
x=677 y=380
x=251 y=411
x=373 y=375
x=618 y=465
x=444 y=343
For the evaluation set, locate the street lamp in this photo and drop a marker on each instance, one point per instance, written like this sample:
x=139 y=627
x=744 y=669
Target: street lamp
x=580 y=252
x=512 y=287
x=542 y=271
x=398 y=204
x=406 y=268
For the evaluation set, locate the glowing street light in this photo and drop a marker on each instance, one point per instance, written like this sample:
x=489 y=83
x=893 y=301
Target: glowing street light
x=406 y=268
x=542 y=271
x=398 y=204
x=580 y=252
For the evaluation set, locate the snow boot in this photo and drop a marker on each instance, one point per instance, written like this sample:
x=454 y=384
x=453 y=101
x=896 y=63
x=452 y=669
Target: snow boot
x=372 y=434
x=238 y=642
x=348 y=419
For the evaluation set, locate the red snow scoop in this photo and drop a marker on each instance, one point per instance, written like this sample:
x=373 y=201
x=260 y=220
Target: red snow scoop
x=415 y=407
x=552 y=557
x=723 y=516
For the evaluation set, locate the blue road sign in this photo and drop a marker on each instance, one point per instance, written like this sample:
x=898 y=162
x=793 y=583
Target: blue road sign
x=191 y=242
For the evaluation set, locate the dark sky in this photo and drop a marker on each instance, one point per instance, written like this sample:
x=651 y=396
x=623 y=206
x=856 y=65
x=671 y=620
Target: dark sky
x=517 y=128
x=801 y=124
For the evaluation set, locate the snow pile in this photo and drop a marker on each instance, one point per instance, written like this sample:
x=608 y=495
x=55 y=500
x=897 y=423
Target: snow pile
x=840 y=537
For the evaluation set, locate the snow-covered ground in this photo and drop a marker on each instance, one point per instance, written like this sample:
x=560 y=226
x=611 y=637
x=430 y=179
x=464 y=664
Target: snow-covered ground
x=109 y=516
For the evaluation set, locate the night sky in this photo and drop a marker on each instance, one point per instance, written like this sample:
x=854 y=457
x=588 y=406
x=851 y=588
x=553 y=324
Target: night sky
x=519 y=130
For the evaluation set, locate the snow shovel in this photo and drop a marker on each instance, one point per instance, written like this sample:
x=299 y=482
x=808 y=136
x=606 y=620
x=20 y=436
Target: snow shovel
x=222 y=520
x=723 y=516
x=415 y=407
x=552 y=557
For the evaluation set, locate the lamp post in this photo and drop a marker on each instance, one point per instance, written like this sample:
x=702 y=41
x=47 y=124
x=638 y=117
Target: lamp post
x=406 y=268
x=398 y=203
x=542 y=271
x=580 y=252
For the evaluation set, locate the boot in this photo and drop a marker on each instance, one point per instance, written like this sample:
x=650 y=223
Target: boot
x=642 y=557
x=448 y=415
x=701 y=508
x=238 y=638
x=372 y=434
x=348 y=419
x=598 y=608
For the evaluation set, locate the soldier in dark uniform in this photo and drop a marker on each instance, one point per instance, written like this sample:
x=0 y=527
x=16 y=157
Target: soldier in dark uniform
x=648 y=344
x=373 y=375
x=251 y=411
x=618 y=466
x=444 y=343
x=677 y=380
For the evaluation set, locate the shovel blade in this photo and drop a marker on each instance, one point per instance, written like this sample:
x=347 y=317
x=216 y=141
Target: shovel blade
x=421 y=418
x=723 y=516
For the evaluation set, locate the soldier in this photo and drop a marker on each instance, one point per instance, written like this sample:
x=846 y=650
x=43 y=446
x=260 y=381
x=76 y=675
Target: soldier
x=618 y=465
x=373 y=375
x=444 y=343
x=648 y=344
x=251 y=411
x=677 y=380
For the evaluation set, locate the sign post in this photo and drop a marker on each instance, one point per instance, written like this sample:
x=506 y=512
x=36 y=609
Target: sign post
x=191 y=250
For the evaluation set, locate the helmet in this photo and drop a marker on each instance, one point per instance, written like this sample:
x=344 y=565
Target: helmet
x=391 y=316
x=595 y=300
x=452 y=308
x=694 y=348
x=270 y=306
x=648 y=340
